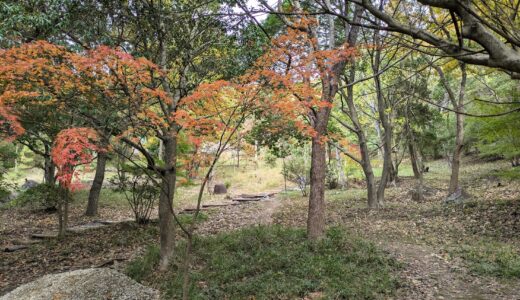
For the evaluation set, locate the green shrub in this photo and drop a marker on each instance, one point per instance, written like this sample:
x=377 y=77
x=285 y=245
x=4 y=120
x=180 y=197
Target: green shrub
x=227 y=184
x=5 y=190
x=297 y=170
x=270 y=159
x=43 y=196
x=272 y=262
x=139 y=190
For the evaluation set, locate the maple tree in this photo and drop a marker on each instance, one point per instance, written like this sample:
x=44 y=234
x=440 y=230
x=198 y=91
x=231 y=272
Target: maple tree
x=73 y=147
x=34 y=86
x=292 y=68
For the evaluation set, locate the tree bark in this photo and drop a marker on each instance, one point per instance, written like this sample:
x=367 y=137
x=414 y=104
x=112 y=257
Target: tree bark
x=362 y=140
x=417 y=172
x=49 y=170
x=417 y=169
x=316 y=216
x=320 y=119
x=166 y=220
x=371 y=186
x=458 y=105
x=97 y=184
x=342 y=179
x=238 y=150
x=457 y=151
x=387 y=127
x=63 y=212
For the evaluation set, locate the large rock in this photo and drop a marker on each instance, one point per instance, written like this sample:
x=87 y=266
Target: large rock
x=219 y=188
x=102 y=283
x=29 y=184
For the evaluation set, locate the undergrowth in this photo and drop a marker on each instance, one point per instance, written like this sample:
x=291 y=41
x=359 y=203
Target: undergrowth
x=273 y=262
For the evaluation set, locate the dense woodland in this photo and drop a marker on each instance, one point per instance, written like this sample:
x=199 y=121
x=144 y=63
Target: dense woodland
x=290 y=149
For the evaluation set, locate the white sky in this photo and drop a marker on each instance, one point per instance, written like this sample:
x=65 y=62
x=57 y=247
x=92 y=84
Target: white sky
x=256 y=4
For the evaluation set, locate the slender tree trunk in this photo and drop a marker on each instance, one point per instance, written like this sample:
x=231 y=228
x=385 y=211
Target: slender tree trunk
x=97 y=184
x=284 y=173
x=366 y=163
x=238 y=150
x=458 y=105
x=387 y=134
x=377 y=127
x=256 y=153
x=457 y=153
x=166 y=220
x=414 y=161
x=459 y=135
x=417 y=169
x=63 y=212
x=342 y=180
x=371 y=186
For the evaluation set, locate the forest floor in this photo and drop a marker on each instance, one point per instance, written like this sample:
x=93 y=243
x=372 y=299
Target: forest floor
x=464 y=251
x=458 y=251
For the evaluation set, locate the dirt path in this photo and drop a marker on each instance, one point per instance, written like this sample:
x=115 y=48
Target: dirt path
x=236 y=216
x=429 y=276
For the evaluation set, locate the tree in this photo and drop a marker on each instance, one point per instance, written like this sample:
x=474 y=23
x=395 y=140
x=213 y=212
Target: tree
x=497 y=136
x=73 y=147
x=34 y=87
x=190 y=45
x=490 y=28
x=295 y=62
x=457 y=102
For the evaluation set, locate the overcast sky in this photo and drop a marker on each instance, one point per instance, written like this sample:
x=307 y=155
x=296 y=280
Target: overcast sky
x=256 y=4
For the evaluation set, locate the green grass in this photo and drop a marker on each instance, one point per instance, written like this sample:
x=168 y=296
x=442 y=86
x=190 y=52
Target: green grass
x=108 y=197
x=405 y=170
x=351 y=194
x=144 y=265
x=509 y=173
x=272 y=262
x=488 y=257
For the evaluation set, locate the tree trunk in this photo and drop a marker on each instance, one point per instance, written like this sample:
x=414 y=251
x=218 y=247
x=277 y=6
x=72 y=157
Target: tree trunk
x=377 y=126
x=366 y=163
x=371 y=186
x=383 y=117
x=316 y=216
x=342 y=180
x=238 y=150
x=63 y=212
x=97 y=184
x=458 y=105
x=387 y=134
x=166 y=220
x=49 y=169
x=284 y=173
x=459 y=135
x=418 y=194
x=417 y=172
x=457 y=153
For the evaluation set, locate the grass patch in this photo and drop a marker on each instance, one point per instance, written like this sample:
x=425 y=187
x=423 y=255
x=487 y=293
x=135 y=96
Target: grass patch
x=491 y=258
x=108 y=197
x=272 y=262
x=509 y=174
x=352 y=194
x=187 y=219
x=142 y=266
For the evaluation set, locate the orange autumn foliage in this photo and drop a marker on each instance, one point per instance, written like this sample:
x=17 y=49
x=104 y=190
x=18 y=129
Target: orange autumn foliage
x=291 y=70
x=73 y=147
